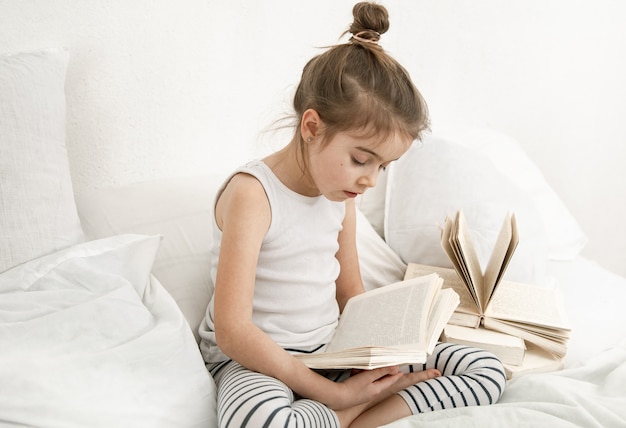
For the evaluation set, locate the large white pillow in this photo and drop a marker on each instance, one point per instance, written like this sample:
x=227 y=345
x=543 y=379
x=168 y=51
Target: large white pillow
x=37 y=210
x=436 y=178
x=379 y=264
x=372 y=203
x=179 y=209
x=566 y=239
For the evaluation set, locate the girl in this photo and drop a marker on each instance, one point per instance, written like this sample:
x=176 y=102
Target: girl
x=285 y=261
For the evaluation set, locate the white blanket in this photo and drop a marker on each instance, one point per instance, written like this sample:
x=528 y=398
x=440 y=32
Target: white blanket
x=89 y=338
x=590 y=395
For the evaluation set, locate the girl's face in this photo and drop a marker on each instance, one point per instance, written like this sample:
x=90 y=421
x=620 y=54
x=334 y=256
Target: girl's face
x=348 y=164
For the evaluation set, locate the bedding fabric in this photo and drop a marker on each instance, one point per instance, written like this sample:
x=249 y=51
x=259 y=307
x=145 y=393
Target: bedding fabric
x=37 y=210
x=180 y=210
x=565 y=237
x=591 y=395
x=90 y=338
x=437 y=178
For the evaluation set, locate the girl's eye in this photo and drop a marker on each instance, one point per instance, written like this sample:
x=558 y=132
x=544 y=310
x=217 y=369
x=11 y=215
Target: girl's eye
x=357 y=162
x=382 y=167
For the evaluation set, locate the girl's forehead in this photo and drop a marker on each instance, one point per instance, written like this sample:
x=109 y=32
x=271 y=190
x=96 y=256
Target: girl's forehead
x=389 y=145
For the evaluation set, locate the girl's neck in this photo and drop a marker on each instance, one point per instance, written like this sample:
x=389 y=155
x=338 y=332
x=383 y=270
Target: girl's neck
x=287 y=164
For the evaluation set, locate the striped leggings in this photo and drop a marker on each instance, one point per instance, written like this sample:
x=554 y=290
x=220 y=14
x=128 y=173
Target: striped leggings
x=470 y=377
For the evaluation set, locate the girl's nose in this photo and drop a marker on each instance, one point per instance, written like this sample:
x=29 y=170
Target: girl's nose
x=369 y=180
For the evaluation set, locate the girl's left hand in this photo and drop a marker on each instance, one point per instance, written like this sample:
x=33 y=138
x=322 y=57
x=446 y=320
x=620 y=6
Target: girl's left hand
x=403 y=380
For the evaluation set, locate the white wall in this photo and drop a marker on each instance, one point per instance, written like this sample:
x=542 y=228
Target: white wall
x=158 y=88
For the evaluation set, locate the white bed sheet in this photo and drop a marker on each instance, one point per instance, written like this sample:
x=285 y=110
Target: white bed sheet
x=89 y=338
x=591 y=395
x=590 y=391
x=594 y=299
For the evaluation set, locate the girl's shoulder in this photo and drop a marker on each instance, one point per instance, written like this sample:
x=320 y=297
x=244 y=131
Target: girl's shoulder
x=243 y=180
x=241 y=194
x=244 y=186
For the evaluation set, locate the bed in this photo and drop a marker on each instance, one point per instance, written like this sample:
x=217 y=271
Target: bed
x=102 y=290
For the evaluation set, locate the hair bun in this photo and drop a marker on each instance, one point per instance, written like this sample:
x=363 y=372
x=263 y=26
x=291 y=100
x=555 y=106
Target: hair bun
x=370 y=21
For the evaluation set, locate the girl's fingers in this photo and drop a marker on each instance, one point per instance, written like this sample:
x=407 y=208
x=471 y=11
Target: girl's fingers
x=380 y=383
x=383 y=377
x=409 y=379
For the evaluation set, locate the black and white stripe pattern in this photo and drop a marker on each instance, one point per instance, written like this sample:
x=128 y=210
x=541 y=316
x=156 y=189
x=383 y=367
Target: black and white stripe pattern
x=471 y=377
x=250 y=399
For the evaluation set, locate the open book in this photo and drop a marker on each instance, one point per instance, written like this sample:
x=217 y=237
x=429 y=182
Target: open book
x=535 y=314
x=392 y=325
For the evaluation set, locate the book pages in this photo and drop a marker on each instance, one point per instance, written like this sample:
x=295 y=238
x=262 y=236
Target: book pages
x=530 y=304
x=505 y=245
x=469 y=258
x=392 y=325
x=396 y=312
x=448 y=243
x=466 y=313
x=441 y=312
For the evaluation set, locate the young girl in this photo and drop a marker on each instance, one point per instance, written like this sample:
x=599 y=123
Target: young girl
x=285 y=262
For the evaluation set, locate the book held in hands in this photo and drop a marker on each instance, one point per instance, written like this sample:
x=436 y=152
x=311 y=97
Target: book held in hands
x=393 y=325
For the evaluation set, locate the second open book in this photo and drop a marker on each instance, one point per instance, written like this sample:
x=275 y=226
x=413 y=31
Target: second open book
x=532 y=314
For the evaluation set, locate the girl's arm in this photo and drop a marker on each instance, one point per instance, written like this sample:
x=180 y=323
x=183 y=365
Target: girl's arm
x=243 y=214
x=349 y=282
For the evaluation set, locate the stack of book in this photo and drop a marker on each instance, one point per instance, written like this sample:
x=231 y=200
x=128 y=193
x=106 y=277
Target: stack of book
x=525 y=325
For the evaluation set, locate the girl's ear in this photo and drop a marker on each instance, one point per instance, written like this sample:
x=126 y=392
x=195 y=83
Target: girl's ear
x=310 y=125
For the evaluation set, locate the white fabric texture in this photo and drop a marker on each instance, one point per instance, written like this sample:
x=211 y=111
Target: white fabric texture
x=372 y=203
x=179 y=209
x=37 y=210
x=594 y=301
x=591 y=395
x=566 y=239
x=436 y=178
x=96 y=341
x=379 y=265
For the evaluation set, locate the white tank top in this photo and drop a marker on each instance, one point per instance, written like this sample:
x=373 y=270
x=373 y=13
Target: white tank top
x=294 y=294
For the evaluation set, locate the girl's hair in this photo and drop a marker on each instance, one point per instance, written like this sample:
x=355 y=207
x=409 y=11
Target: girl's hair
x=357 y=86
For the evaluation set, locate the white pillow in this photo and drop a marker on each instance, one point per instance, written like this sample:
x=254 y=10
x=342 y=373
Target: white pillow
x=565 y=236
x=438 y=177
x=179 y=209
x=372 y=204
x=379 y=264
x=37 y=210
x=90 y=338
